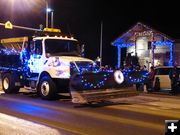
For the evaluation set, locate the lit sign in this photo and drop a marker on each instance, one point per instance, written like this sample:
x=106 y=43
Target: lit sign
x=144 y=34
x=14 y=40
x=8 y=25
x=51 y=30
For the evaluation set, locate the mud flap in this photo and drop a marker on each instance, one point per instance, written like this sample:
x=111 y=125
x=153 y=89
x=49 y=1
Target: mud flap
x=95 y=87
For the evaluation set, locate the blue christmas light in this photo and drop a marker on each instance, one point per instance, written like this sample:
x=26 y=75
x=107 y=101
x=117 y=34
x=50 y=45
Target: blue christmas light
x=97 y=84
x=124 y=45
x=171 y=60
x=119 y=56
x=135 y=76
x=10 y=51
x=90 y=68
x=171 y=48
x=80 y=69
x=162 y=43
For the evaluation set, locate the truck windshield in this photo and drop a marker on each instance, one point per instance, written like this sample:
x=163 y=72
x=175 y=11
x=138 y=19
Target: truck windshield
x=56 y=47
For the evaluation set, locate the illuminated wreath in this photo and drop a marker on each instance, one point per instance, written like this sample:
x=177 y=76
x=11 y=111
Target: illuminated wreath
x=118 y=77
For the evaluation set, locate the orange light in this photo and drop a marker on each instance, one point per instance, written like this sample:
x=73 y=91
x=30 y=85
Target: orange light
x=51 y=30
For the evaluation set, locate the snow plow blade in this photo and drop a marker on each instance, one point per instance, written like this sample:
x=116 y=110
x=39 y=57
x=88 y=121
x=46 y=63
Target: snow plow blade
x=97 y=87
x=101 y=95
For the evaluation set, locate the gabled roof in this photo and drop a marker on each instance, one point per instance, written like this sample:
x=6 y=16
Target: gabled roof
x=129 y=36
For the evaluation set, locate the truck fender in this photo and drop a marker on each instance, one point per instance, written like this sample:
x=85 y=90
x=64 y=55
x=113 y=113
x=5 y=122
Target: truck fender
x=44 y=73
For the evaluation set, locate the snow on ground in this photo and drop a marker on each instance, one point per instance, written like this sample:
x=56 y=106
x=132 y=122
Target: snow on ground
x=10 y=125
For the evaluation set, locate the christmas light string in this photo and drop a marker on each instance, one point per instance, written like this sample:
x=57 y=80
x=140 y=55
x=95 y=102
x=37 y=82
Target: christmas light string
x=135 y=76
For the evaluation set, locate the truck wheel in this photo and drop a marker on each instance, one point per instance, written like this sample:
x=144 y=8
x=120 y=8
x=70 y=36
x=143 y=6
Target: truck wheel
x=8 y=84
x=47 y=88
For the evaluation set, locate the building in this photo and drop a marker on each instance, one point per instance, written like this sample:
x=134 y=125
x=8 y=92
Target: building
x=177 y=52
x=152 y=47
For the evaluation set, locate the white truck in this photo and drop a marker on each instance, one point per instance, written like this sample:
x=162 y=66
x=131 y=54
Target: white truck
x=50 y=63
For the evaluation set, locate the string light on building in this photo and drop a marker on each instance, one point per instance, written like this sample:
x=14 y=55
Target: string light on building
x=171 y=49
x=141 y=40
x=162 y=43
x=125 y=45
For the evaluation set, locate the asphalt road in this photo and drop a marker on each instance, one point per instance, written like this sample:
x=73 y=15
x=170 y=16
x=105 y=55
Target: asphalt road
x=25 y=113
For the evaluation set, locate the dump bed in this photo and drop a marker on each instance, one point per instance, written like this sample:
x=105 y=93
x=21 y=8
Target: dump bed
x=10 y=50
x=10 y=61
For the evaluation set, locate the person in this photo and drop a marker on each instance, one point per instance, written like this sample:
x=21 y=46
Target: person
x=138 y=85
x=128 y=60
x=98 y=61
x=144 y=68
x=151 y=78
x=32 y=49
x=25 y=56
x=38 y=52
x=135 y=60
x=174 y=77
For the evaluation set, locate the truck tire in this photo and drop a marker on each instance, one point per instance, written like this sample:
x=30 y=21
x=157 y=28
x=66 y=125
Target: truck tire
x=8 y=84
x=47 y=88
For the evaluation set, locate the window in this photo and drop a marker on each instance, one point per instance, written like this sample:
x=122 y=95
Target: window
x=61 y=47
x=163 y=71
x=36 y=47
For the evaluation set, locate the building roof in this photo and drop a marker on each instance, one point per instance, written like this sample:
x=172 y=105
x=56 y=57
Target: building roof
x=140 y=30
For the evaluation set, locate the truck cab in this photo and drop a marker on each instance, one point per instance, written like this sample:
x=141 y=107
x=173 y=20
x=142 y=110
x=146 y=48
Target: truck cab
x=48 y=61
x=54 y=55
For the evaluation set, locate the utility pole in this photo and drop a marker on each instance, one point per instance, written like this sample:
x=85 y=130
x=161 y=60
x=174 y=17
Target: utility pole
x=47 y=6
x=52 y=19
x=101 y=44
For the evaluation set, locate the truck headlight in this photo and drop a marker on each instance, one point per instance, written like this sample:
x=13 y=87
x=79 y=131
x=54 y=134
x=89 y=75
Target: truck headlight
x=56 y=62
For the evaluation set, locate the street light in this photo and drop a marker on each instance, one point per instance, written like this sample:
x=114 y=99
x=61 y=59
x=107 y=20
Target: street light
x=29 y=5
x=20 y=5
x=49 y=10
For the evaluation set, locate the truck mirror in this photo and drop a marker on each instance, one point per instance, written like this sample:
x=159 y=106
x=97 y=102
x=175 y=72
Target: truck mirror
x=41 y=27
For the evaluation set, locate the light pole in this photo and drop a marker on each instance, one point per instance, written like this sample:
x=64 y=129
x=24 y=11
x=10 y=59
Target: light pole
x=101 y=38
x=47 y=13
x=52 y=19
x=49 y=10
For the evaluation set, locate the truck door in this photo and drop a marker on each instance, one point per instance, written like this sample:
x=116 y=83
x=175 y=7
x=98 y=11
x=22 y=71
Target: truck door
x=36 y=60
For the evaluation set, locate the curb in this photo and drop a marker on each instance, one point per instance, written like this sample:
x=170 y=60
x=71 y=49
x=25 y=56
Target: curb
x=163 y=93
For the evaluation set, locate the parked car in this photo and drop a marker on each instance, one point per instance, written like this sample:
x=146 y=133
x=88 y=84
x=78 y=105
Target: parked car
x=162 y=80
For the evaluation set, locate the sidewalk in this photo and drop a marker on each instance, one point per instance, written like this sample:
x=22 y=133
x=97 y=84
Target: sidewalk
x=161 y=92
x=166 y=92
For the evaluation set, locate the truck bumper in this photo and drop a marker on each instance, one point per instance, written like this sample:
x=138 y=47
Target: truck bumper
x=89 y=96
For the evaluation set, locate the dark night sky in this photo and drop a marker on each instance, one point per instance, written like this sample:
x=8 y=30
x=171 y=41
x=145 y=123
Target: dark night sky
x=82 y=18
